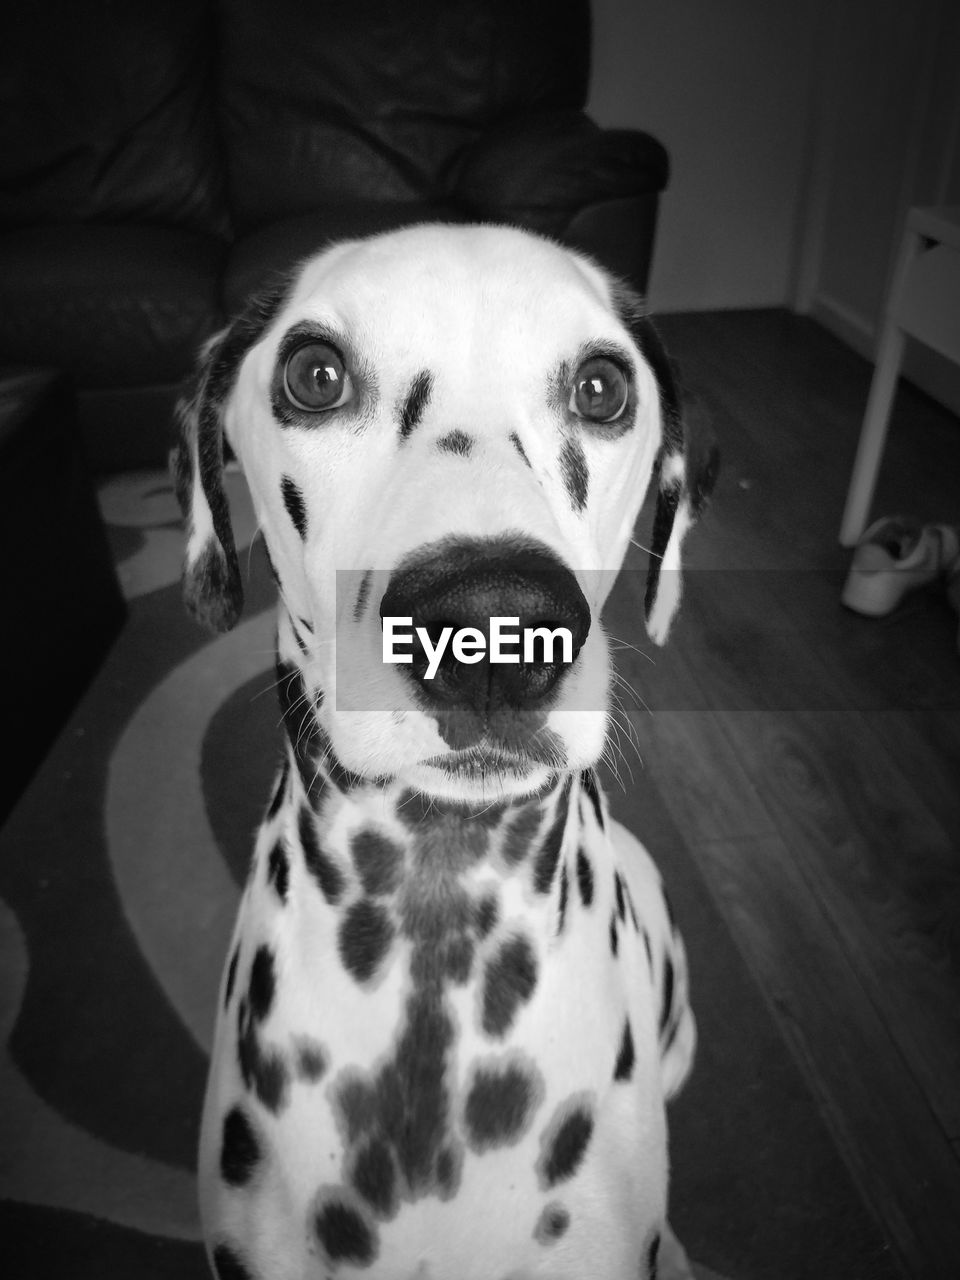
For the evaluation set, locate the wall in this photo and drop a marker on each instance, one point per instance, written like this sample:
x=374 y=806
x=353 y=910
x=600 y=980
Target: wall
x=726 y=87
x=885 y=136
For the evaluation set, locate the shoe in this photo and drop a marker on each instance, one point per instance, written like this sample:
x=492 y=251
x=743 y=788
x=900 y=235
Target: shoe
x=894 y=556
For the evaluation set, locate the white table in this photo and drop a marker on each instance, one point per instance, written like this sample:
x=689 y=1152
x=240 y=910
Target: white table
x=924 y=303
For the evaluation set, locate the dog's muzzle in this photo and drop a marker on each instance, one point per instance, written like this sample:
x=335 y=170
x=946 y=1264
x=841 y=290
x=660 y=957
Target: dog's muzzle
x=465 y=584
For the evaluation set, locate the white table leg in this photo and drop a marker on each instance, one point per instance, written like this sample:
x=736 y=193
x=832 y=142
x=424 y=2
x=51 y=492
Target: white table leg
x=873 y=433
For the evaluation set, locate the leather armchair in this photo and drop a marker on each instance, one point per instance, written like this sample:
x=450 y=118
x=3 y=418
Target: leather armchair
x=159 y=162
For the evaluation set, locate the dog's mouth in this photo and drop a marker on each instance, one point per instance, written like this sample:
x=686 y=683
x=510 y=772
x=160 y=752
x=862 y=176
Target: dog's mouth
x=488 y=760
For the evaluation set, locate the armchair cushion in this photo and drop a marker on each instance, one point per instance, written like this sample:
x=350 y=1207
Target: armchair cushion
x=541 y=169
x=106 y=114
x=341 y=103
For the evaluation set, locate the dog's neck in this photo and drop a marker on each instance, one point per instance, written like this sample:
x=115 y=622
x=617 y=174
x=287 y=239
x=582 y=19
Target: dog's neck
x=523 y=836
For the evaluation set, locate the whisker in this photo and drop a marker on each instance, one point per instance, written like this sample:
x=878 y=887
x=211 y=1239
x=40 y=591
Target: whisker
x=621 y=682
x=619 y=748
x=648 y=550
x=625 y=644
x=622 y=721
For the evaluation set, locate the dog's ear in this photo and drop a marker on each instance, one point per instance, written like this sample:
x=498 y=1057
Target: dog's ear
x=683 y=484
x=672 y=516
x=212 y=587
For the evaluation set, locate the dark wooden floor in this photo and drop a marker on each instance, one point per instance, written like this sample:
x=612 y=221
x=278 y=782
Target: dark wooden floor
x=811 y=758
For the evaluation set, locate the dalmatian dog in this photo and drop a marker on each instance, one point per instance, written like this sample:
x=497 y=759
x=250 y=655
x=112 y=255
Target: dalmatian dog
x=455 y=1002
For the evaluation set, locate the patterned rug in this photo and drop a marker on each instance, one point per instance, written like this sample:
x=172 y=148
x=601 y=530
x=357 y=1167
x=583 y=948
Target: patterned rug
x=119 y=877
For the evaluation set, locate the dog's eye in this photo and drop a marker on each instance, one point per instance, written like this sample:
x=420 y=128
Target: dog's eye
x=599 y=391
x=315 y=379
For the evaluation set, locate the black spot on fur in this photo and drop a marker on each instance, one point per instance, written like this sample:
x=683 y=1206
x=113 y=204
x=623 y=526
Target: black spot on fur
x=584 y=877
x=363 y=594
x=487 y=914
x=458 y=958
x=406 y=1100
x=449 y=1167
x=671 y=915
x=280 y=790
x=426 y=815
x=666 y=998
x=301 y=626
x=227 y=1264
x=564 y=1146
x=614 y=936
x=649 y=951
x=509 y=981
x=295 y=505
x=516 y=442
x=417 y=399
x=263 y=983
x=576 y=474
x=618 y=894
x=546 y=863
x=500 y=1104
x=666 y=1041
x=262 y=1069
x=564 y=893
x=231 y=975
x=311 y=1059
x=278 y=870
x=378 y=860
x=240 y=1150
x=356 y=1101
x=343 y=1234
x=631 y=908
x=373 y=1176
x=552 y=1223
x=456 y=442
x=364 y=938
x=591 y=788
x=623 y=1069
x=321 y=866
x=519 y=835
x=653 y=1256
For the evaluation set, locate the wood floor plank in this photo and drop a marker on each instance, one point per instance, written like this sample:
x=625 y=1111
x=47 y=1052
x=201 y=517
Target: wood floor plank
x=897 y=1152
x=831 y=780
x=883 y=870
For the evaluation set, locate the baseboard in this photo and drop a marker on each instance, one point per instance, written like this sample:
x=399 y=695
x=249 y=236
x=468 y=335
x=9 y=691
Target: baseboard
x=935 y=375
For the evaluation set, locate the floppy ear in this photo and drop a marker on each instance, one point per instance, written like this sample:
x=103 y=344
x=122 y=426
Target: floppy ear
x=672 y=517
x=212 y=587
x=680 y=498
x=211 y=575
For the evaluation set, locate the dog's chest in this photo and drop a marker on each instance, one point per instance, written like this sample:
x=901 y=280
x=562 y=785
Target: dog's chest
x=421 y=1045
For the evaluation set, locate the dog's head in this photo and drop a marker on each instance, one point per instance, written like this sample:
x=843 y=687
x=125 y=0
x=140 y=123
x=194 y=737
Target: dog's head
x=445 y=425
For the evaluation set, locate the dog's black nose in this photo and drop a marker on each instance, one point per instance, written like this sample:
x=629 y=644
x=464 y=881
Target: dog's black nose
x=453 y=594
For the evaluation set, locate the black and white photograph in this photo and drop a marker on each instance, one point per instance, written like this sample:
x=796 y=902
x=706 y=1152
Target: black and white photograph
x=480 y=486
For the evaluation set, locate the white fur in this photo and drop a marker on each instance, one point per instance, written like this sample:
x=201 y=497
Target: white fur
x=492 y=315
x=468 y=305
